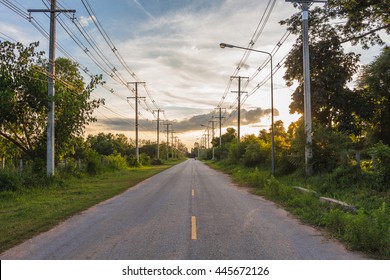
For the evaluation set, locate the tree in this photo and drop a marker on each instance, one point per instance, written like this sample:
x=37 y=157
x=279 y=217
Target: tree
x=228 y=137
x=24 y=99
x=361 y=19
x=375 y=86
x=330 y=68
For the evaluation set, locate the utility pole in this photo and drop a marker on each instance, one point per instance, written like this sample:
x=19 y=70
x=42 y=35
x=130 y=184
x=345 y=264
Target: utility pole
x=167 y=130
x=212 y=135
x=173 y=145
x=136 y=117
x=176 y=146
x=220 y=125
x=306 y=77
x=208 y=135
x=158 y=132
x=239 y=104
x=50 y=152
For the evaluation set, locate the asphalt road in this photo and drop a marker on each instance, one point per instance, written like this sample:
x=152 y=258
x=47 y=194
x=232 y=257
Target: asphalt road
x=186 y=212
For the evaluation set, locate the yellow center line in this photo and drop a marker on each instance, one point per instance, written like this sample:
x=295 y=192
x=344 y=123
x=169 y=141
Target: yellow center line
x=193 y=227
x=193 y=192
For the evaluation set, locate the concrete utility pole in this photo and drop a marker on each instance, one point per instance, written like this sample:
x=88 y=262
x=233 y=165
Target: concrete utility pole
x=136 y=117
x=212 y=134
x=176 y=146
x=239 y=105
x=167 y=130
x=50 y=152
x=208 y=135
x=220 y=125
x=306 y=77
x=158 y=131
x=173 y=145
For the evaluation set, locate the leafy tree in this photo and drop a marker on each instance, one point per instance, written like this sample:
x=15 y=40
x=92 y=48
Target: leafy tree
x=330 y=70
x=102 y=143
x=361 y=19
x=23 y=99
x=329 y=146
x=149 y=149
x=228 y=137
x=374 y=84
x=257 y=152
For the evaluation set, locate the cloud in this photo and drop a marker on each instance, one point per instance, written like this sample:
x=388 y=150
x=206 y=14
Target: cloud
x=85 y=21
x=248 y=117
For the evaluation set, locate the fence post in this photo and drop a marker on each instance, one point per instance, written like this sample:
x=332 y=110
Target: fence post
x=357 y=156
x=20 y=167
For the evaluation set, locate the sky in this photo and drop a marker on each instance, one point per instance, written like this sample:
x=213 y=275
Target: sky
x=173 y=47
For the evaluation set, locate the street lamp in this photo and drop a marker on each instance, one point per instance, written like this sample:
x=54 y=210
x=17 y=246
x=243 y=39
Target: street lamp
x=224 y=45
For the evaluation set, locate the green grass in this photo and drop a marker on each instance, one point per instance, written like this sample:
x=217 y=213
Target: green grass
x=28 y=212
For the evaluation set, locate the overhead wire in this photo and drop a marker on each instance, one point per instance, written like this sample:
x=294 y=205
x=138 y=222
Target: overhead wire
x=256 y=35
x=95 y=47
x=109 y=42
x=36 y=24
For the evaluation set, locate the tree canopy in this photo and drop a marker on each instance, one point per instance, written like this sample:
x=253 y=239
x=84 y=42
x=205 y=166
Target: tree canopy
x=24 y=99
x=374 y=83
x=334 y=103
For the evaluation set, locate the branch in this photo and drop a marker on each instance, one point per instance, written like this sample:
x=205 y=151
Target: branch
x=365 y=34
x=15 y=142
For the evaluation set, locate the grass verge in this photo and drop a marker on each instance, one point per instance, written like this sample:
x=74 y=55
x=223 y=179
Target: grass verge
x=368 y=230
x=28 y=212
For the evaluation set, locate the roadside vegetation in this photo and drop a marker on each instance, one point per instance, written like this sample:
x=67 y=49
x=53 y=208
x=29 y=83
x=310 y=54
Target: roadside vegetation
x=351 y=136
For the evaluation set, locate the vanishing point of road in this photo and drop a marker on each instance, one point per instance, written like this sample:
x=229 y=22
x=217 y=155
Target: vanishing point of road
x=186 y=212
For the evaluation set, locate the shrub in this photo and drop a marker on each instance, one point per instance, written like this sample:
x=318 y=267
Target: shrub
x=94 y=164
x=256 y=178
x=381 y=155
x=116 y=162
x=157 y=161
x=277 y=190
x=144 y=159
x=255 y=154
x=336 y=221
x=370 y=232
x=69 y=167
x=9 y=180
x=234 y=154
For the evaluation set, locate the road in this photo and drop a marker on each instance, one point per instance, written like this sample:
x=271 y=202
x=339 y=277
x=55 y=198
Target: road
x=186 y=212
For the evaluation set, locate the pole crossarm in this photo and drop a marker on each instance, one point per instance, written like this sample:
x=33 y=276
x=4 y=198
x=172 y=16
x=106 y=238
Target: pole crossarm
x=50 y=11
